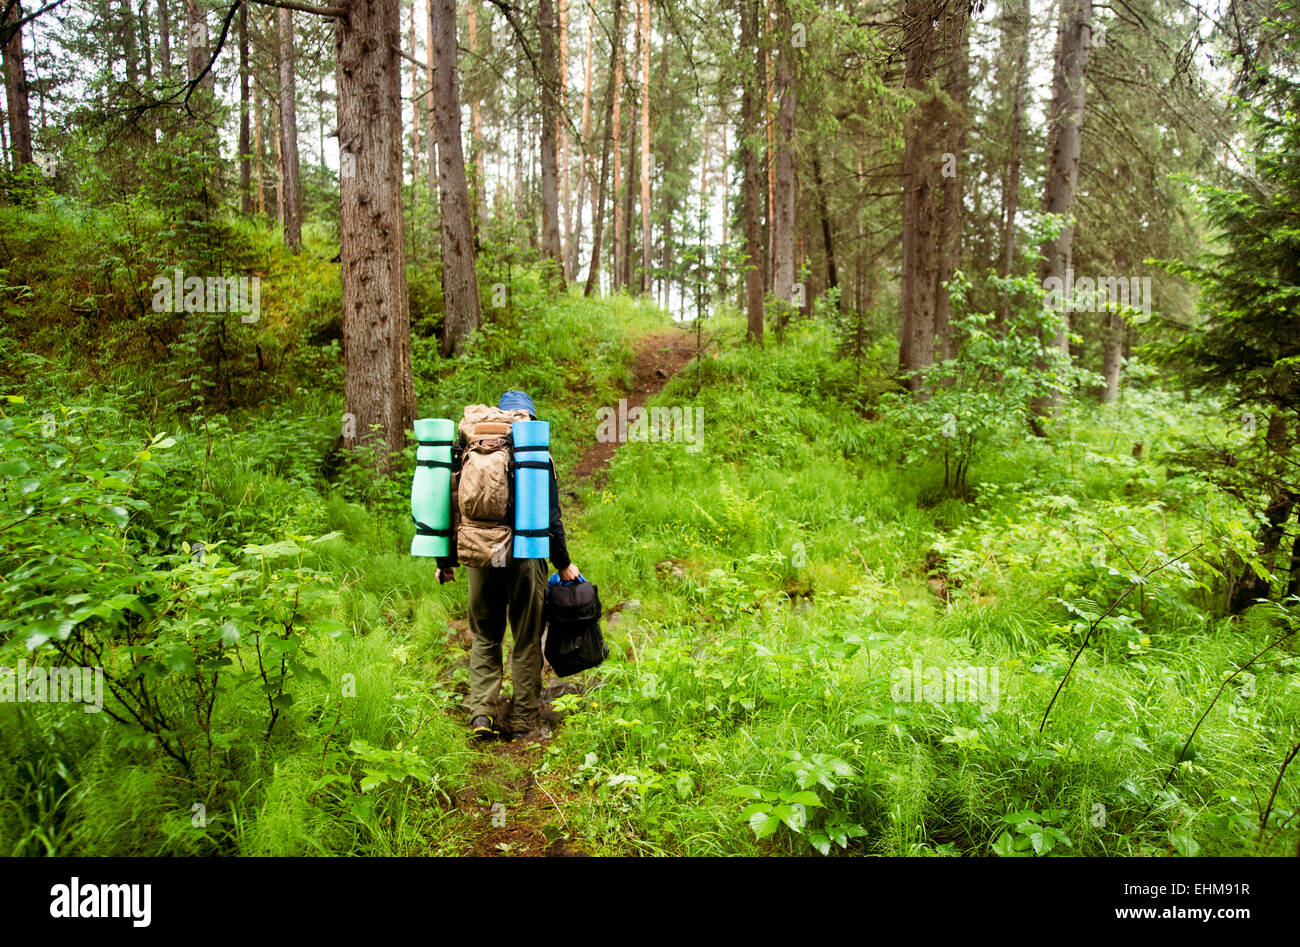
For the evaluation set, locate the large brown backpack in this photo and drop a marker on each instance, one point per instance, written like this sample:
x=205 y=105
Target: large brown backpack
x=481 y=489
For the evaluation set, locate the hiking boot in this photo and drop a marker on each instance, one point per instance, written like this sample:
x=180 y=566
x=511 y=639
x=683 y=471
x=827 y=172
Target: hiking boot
x=483 y=727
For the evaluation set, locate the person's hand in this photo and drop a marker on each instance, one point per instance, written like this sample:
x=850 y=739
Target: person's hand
x=446 y=575
x=569 y=573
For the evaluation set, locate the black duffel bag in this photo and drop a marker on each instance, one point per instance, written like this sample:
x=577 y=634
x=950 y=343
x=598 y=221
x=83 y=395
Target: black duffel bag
x=573 y=639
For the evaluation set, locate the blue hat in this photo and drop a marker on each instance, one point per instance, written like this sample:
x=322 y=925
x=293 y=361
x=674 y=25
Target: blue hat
x=516 y=400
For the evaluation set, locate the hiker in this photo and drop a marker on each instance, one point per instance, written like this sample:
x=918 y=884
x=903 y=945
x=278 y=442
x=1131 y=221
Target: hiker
x=515 y=591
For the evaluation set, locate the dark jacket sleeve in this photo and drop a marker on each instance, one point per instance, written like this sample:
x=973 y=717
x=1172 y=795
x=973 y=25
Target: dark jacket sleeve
x=559 y=550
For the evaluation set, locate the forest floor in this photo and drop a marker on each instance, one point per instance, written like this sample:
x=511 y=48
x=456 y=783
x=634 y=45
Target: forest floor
x=516 y=826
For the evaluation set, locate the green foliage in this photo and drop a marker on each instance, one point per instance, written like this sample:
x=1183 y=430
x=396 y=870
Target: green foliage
x=982 y=394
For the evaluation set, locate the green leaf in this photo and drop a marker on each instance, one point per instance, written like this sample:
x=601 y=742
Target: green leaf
x=1006 y=846
x=819 y=840
x=763 y=823
x=806 y=797
x=1183 y=842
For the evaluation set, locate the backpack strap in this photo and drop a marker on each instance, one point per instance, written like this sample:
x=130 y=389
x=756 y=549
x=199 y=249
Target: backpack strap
x=423 y=530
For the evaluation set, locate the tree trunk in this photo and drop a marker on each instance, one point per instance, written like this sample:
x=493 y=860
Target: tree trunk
x=1293 y=572
x=620 y=249
x=478 y=189
x=629 y=198
x=951 y=217
x=584 y=150
x=20 y=122
x=278 y=131
x=767 y=84
x=562 y=129
x=146 y=39
x=1112 y=355
x=258 y=148
x=430 y=138
x=920 y=167
x=726 y=211
x=645 y=146
x=832 y=274
x=598 y=211
x=130 y=53
x=291 y=187
x=753 y=187
x=784 y=191
x=196 y=44
x=1249 y=586
x=1065 y=120
x=165 y=38
x=550 y=79
x=1016 y=48
x=415 y=98
x=459 y=278
x=379 y=387
x=4 y=135
x=245 y=165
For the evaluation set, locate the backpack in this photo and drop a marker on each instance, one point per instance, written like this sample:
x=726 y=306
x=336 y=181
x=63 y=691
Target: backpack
x=482 y=486
x=572 y=617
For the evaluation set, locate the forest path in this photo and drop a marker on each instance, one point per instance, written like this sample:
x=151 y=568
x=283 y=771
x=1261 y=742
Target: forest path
x=530 y=821
x=659 y=357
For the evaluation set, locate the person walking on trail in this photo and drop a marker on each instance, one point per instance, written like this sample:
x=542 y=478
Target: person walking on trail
x=515 y=592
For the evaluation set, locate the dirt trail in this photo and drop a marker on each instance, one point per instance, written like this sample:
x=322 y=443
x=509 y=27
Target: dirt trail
x=659 y=357
x=531 y=821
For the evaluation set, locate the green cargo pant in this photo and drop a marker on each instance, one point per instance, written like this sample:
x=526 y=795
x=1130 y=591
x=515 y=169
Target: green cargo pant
x=517 y=591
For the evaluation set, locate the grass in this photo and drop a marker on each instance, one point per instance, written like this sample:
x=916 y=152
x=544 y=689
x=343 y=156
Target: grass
x=768 y=590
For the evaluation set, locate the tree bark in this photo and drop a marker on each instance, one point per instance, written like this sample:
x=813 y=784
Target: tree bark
x=620 y=249
x=165 y=38
x=459 y=277
x=562 y=129
x=431 y=159
x=291 y=187
x=1065 y=119
x=16 y=95
x=549 y=158
x=832 y=274
x=767 y=83
x=645 y=145
x=478 y=187
x=920 y=167
x=952 y=217
x=1016 y=48
x=245 y=164
x=379 y=386
x=753 y=187
x=146 y=39
x=1112 y=355
x=629 y=195
x=584 y=148
x=130 y=49
x=415 y=98
x=598 y=211
x=196 y=44
x=259 y=152
x=784 y=192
